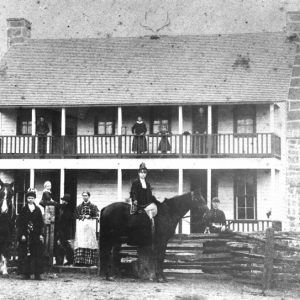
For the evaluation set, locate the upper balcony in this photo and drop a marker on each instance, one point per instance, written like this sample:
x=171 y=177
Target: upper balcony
x=156 y=145
x=189 y=132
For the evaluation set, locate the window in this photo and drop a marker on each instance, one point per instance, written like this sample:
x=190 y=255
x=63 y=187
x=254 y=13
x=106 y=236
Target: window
x=24 y=124
x=245 y=195
x=160 y=116
x=105 y=122
x=157 y=124
x=104 y=128
x=244 y=119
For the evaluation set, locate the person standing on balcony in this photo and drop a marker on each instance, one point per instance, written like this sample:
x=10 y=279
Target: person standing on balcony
x=141 y=194
x=64 y=232
x=29 y=228
x=214 y=219
x=86 y=246
x=139 y=130
x=42 y=129
x=164 y=144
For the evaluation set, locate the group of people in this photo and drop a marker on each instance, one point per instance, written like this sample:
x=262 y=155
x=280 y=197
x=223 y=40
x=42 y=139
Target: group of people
x=30 y=230
x=30 y=224
x=139 y=144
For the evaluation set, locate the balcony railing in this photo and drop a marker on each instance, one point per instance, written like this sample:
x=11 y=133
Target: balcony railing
x=192 y=145
x=252 y=225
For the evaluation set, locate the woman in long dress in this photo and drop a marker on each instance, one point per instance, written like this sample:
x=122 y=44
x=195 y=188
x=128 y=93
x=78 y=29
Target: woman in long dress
x=86 y=246
x=139 y=130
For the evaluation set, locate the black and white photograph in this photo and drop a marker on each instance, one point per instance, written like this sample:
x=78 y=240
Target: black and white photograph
x=149 y=149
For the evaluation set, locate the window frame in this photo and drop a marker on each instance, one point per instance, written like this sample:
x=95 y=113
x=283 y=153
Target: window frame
x=237 y=115
x=237 y=176
x=160 y=116
x=24 y=116
x=109 y=117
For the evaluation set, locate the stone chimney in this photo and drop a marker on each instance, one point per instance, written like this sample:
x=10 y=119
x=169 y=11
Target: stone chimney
x=18 y=31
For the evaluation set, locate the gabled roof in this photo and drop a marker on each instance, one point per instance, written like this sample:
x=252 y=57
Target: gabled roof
x=239 y=68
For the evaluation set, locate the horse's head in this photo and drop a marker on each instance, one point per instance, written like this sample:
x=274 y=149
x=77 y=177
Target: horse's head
x=6 y=198
x=198 y=200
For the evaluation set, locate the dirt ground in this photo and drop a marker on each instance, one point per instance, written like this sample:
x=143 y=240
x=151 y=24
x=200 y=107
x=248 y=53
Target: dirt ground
x=81 y=286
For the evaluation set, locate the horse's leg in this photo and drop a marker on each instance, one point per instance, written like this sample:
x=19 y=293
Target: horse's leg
x=116 y=259
x=160 y=257
x=106 y=259
x=4 y=266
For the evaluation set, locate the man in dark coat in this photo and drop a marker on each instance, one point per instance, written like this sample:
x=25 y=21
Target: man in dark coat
x=29 y=228
x=42 y=129
x=64 y=232
x=214 y=219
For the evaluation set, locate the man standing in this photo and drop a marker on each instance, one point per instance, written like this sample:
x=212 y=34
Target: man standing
x=214 y=219
x=64 y=232
x=42 y=129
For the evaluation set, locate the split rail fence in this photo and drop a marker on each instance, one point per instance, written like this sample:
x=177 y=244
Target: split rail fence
x=266 y=258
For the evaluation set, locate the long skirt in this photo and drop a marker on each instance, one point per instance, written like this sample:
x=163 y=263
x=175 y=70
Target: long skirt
x=86 y=246
x=164 y=144
x=139 y=144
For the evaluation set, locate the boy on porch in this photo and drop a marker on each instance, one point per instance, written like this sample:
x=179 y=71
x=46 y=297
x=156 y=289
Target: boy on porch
x=214 y=219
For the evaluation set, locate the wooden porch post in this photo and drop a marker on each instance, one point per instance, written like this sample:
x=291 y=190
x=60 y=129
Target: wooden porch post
x=63 y=121
x=272 y=118
x=180 y=191
x=180 y=120
x=273 y=198
x=31 y=179
x=33 y=129
x=209 y=130
x=62 y=183
x=180 y=129
x=119 y=184
x=119 y=132
x=120 y=120
x=208 y=188
x=33 y=121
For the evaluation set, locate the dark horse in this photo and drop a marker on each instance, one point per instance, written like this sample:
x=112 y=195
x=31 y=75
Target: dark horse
x=7 y=217
x=117 y=226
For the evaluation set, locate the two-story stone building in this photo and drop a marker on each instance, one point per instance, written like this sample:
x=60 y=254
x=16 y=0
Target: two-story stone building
x=223 y=99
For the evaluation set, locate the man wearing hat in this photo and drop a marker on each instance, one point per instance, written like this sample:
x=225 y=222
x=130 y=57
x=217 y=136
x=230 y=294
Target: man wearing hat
x=30 y=227
x=64 y=232
x=141 y=193
x=214 y=219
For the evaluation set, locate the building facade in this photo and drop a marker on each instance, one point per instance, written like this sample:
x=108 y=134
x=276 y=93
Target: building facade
x=222 y=99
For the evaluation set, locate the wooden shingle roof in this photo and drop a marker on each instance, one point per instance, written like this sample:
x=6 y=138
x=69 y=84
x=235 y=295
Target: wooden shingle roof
x=239 y=68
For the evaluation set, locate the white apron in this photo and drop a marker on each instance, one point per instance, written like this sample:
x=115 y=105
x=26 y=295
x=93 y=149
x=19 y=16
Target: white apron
x=85 y=236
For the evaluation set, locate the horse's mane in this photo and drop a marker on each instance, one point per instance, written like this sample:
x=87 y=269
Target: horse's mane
x=178 y=203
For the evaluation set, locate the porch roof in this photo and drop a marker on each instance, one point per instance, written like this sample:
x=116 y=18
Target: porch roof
x=208 y=69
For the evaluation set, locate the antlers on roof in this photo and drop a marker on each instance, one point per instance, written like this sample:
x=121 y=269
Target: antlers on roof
x=167 y=23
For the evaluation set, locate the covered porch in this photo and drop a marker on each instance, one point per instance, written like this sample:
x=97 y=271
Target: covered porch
x=190 y=131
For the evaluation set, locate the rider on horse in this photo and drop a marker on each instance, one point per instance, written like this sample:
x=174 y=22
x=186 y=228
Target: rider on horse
x=141 y=194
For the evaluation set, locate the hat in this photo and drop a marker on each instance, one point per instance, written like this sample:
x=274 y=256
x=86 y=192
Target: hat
x=215 y=199
x=143 y=167
x=31 y=193
x=66 y=197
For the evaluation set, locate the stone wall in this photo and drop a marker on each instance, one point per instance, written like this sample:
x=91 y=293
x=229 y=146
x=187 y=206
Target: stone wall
x=293 y=128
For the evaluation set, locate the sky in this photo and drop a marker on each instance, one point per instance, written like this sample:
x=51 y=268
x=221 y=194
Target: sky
x=108 y=18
